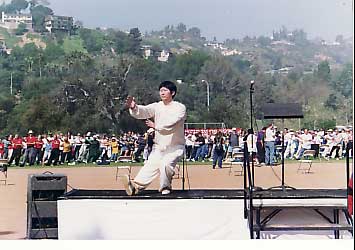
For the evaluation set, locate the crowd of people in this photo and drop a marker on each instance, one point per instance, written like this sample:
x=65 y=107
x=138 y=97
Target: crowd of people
x=56 y=149
x=217 y=146
x=265 y=146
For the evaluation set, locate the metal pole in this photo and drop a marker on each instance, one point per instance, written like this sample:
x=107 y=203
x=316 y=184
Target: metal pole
x=11 y=83
x=208 y=94
x=208 y=97
x=183 y=172
x=282 y=154
x=347 y=155
x=251 y=126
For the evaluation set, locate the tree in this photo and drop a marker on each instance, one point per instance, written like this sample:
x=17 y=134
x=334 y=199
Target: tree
x=276 y=62
x=94 y=41
x=187 y=66
x=34 y=3
x=19 y=5
x=264 y=41
x=21 y=29
x=299 y=37
x=323 y=71
x=181 y=28
x=53 y=52
x=194 y=32
x=343 y=83
x=332 y=102
x=135 y=39
x=39 y=12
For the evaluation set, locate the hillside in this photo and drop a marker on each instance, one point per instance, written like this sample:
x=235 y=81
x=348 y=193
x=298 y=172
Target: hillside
x=63 y=82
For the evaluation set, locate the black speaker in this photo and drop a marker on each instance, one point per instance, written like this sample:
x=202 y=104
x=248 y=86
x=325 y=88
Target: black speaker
x=42 y=194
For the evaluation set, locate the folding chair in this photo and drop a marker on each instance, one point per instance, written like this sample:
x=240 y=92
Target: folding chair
x=127 y=159
x=3 y=169
x=308 y=157
x=126 y=168
x=237 y=149
x=237 y=160
x=176 y=172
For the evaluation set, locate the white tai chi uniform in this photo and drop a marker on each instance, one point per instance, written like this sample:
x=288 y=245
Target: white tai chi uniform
x=169 y=142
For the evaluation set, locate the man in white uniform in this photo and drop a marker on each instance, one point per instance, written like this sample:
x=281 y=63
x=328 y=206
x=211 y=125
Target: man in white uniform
x=169 y=142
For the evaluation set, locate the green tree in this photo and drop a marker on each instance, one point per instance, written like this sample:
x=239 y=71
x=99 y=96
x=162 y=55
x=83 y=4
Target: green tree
x=53 y=52
x=135 y=39
x=323 y=71
x=187 y=66
x=343 y=82
x=181 y=28
x=39 y=12
x=94 y=40
x=332 y=102
x=264 y=41
x=119 y=40
x=19 y=5
x=21 y=29
x=194 y=33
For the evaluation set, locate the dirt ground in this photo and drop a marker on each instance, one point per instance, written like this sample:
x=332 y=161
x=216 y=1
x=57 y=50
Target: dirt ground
x=13 y=196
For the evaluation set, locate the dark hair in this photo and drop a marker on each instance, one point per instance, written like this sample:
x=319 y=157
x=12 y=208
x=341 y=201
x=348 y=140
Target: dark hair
x=170 y=86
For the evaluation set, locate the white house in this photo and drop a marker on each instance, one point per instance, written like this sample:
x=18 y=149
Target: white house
x=11 y=21
x=164 y=56
x=16 y=18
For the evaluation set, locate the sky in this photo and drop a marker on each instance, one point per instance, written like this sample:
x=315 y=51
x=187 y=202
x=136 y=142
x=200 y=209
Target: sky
x=216 y=18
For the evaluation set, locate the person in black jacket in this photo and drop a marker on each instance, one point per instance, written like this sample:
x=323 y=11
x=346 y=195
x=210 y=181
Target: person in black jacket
x=218 y=151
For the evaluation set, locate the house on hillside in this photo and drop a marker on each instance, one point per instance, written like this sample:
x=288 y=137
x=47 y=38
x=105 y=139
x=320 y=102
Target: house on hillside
x=12 y=20
x=147 y=51
x=231 y=52
x=163 y=56
x=59 y=24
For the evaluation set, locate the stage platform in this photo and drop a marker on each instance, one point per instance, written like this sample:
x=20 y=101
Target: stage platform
x=182 y=215
x=208 y=194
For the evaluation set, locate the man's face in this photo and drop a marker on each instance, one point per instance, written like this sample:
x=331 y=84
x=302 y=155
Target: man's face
x=165 y=94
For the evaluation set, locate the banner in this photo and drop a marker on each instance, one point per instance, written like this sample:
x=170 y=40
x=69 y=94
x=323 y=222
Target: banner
x=211 y=131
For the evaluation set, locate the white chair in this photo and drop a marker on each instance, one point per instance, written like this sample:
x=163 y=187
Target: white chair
x=237 y=163
x=123 y=168
x=307 y=158
x=3 y=169
x=176 y=172
x=124 y=159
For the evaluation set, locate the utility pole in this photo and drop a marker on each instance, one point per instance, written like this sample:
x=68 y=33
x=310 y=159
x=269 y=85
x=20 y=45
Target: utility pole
x=208 y=94
x=11 y=83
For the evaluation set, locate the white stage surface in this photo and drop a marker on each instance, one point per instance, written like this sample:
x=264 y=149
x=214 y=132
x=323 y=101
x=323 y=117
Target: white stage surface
x=172 y=219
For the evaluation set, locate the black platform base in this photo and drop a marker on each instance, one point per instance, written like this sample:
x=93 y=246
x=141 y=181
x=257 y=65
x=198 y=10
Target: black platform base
x=207 y=194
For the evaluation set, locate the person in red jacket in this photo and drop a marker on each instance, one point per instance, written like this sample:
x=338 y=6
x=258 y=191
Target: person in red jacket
x=38 y=151
x=17 y=148
x=30 y=148
x=55 y=144
x=2 y=147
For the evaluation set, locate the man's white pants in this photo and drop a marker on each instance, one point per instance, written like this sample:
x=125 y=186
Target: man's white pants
x=159 y=162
